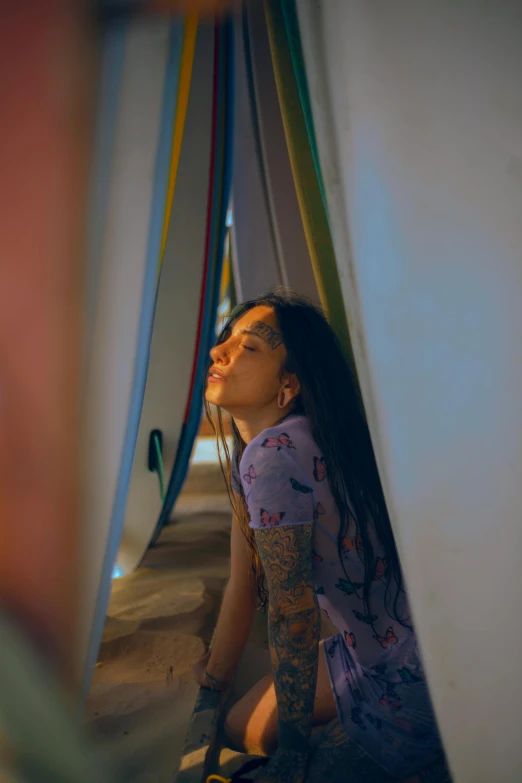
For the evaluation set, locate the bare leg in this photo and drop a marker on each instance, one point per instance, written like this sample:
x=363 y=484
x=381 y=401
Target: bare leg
x=251 y=727
x=251 y=724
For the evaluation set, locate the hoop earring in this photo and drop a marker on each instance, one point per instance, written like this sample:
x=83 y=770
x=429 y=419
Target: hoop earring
x=281 y=399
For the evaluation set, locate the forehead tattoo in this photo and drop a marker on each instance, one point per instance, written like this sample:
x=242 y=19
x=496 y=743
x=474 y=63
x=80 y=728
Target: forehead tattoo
x=268 y=334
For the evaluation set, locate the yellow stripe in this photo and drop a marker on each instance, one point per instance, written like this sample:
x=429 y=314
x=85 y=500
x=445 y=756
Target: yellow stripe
x=225 y=277
x=187 y=60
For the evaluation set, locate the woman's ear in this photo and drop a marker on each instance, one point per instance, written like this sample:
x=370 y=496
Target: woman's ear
x=289 y=390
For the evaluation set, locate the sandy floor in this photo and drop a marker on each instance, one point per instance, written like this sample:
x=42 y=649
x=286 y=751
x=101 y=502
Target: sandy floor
x=159 y=621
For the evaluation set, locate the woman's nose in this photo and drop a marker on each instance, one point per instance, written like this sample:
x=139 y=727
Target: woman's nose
x=218 y=353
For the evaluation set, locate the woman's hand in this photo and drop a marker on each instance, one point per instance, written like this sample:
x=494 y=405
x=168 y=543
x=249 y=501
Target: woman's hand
x=235 y=617
x=198 y=671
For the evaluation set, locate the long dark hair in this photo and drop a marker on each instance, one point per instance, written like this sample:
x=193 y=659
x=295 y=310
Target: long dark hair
x=330 y=400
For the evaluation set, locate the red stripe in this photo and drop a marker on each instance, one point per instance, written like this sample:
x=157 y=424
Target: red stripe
x=213 y=152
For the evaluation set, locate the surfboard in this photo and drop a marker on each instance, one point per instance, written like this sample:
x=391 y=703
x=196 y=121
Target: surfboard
x=174 y=334
x=217 y=207
x=420 y=141
x=286 y=60
x=254 y=259
x=283 y=208
x=123 y=310
x=227 y=297
x=110 y=76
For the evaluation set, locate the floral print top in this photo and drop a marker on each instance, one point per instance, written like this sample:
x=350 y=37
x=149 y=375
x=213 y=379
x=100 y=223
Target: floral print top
x=374 y=664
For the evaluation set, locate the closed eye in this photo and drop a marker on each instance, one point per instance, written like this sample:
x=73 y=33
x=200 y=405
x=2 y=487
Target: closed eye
x=248 y=347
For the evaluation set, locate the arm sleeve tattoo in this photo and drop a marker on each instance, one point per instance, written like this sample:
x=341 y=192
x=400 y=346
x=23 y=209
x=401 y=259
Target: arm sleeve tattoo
x=294 y=630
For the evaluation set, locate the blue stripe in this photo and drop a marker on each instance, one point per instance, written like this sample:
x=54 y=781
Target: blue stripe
x=210 y=305
x=161 y=176
x=216 y=215
x=227 y=174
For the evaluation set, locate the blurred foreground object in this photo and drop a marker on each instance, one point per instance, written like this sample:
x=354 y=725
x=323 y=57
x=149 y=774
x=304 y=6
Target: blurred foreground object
x=46 y=124
x=46 y=89
x=41 y=742
x=201 y=7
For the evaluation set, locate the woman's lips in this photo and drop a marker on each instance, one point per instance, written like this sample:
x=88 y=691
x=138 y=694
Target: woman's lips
x=215 y=378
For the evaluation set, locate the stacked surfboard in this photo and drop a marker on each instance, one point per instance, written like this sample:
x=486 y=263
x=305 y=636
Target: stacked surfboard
x=160 y=196
x=419 y=127
x=377 y=169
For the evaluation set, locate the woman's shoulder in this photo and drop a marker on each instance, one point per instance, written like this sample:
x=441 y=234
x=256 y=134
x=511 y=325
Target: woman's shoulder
x=287 y=436
x=287 y=446
x=276 y=487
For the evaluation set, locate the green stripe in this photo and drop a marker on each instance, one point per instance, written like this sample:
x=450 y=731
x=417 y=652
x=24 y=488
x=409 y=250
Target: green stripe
x=288 y=64
x=294 y=42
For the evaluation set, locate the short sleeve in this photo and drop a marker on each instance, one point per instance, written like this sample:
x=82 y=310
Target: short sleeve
x=276 y=490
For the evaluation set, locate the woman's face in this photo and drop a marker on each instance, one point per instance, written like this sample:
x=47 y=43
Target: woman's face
x=246 y=370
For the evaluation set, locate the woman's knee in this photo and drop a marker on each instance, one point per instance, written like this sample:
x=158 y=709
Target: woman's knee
x=251 y=723
x=250 y=731
x=233 y=730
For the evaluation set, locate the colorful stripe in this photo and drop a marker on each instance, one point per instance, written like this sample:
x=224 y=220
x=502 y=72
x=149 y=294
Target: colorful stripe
x=222 y=195
x=185 y=76
x=219 y=194
x=225 y=277
x=305 y=168
x=204 y=307
x=296 y=52
x=256 y=132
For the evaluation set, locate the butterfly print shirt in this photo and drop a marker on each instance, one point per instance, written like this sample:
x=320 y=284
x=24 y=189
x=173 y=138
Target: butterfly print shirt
x=374 y=665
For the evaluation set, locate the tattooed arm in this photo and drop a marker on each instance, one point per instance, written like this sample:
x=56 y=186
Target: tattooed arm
x=294 y=629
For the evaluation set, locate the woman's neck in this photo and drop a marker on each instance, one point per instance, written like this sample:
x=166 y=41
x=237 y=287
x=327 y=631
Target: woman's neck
x=250 y=424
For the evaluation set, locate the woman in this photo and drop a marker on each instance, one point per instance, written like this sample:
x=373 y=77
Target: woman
x=313 y=535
